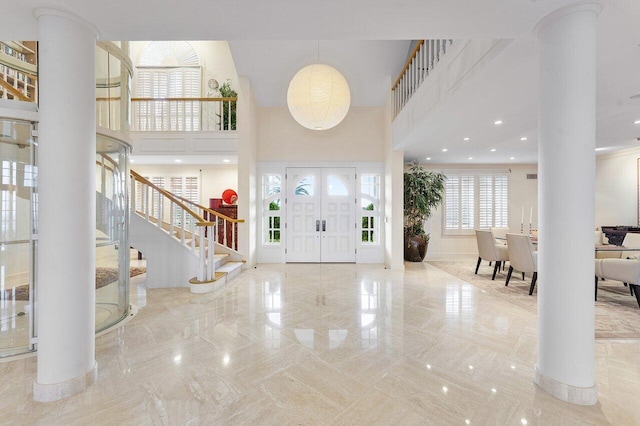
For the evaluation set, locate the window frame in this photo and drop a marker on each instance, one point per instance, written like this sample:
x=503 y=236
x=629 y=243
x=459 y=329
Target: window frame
x=477 y=175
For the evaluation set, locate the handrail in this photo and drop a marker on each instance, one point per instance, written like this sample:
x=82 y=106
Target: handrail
x=15 y=92
x=183 y=99
x=210 y=211
x=183 y=114
x=414 y=52
x=425 y=55
x=200 y=221
x=227 y=227
x=197 y=229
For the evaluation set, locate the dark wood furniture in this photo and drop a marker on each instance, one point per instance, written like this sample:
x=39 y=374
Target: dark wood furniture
x=230 y=229
x=616 y=234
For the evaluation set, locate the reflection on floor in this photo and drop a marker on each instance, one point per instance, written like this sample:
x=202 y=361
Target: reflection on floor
x=327 y=344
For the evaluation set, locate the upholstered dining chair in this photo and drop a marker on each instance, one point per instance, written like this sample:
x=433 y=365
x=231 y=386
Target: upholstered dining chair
x=489 y=250
x=624 y=270
x=522 y=258
x=500 y=234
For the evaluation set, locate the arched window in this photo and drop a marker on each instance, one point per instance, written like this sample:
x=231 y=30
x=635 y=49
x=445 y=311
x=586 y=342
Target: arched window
x=168 y=69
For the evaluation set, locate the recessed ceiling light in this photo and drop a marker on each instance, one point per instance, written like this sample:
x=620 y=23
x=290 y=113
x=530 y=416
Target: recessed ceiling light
x=600 y=149
x=428 y=158
x=470 y=158
x=177 y=161
x=466 y=139
x=226 y=160
x=636 y=122
x=497 y=122
x=493 y=150
x=512 y=158
x=444 y=149
x=524 y=138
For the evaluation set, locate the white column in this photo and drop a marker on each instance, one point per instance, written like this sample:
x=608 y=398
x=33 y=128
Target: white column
x=567 y=124
x=67 y=206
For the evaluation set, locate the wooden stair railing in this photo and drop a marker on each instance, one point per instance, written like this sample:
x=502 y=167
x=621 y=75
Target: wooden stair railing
x=149 y=201
x=224 y=224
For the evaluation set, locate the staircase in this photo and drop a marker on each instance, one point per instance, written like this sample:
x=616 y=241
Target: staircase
x=180 y=240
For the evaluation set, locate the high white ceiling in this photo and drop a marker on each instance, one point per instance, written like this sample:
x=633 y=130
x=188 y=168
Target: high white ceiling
x=367 y=40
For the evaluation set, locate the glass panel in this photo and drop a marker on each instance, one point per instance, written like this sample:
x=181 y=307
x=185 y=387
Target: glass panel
x=112 y=245
x=16 y=205
x=102 y=88
x=336 y=186
x=305 y=186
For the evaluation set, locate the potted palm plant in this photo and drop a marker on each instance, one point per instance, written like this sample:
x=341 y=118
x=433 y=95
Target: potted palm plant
x=423 y=192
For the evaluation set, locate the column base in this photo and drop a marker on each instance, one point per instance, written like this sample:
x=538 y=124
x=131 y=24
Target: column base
x=56 y=391
x=565 y=392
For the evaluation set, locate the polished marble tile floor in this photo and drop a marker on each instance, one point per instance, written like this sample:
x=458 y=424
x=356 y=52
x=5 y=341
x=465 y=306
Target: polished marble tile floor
x=326 y=344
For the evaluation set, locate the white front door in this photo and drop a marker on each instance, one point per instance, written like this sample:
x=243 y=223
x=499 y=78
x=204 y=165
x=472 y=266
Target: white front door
x=321 y=224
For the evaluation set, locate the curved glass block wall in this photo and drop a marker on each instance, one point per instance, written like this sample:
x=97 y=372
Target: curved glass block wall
x=18 y=207
x=112 y=231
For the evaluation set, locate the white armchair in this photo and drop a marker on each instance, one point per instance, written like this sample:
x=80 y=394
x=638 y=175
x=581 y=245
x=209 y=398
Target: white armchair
x=522 y=258
x=489 y=250
x=624 y=270
x=631 y=240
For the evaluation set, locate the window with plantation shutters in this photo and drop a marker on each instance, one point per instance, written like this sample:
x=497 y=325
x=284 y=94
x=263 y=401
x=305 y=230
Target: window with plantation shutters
x=169 y=82
x=188 y=188
x=475 y=200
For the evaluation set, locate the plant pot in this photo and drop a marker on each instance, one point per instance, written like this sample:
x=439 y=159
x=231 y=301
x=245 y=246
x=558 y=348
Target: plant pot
x=415 y=248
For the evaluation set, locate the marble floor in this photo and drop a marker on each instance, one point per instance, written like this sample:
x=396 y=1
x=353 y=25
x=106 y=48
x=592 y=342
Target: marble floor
x=326 y=344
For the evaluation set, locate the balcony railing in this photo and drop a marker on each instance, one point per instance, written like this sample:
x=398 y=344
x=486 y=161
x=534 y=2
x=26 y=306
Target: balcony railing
x=422 y=61
x=184 y=114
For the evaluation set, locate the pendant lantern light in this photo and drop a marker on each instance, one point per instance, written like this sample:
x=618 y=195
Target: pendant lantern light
x=318 y=97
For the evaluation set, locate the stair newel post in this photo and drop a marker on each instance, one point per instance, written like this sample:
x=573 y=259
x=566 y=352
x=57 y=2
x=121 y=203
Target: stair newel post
x=211 y=252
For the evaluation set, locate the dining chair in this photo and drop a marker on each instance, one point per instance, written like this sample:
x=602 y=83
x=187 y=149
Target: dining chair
x=624 y=270
x=500 y=234
x=522 y=258
x=489 y=250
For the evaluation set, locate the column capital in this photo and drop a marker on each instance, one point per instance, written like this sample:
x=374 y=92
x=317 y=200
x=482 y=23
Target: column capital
x=592 y=6
x=61 y=13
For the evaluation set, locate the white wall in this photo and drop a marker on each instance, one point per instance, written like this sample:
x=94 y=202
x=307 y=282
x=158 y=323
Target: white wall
x=617 y=188
x=247 y=172
x=522 y=193
x=213 y=179
x=360 y=137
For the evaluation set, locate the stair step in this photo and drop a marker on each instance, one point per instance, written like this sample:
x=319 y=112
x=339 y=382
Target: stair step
x=231 y=268
x=220 y=259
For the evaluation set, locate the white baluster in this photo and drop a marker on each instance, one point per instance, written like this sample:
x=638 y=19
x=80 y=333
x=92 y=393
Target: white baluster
x=171 y=217
x=160 y=214
x=211 y=254
x=182 y=228
x=202 y=270
x=192 y=231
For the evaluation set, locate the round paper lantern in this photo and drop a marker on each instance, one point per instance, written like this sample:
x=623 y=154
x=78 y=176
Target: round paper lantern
x=318 y=97
x=229 y=196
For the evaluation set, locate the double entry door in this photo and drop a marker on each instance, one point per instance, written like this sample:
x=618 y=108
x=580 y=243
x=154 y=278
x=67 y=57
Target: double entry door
x=321 y=209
